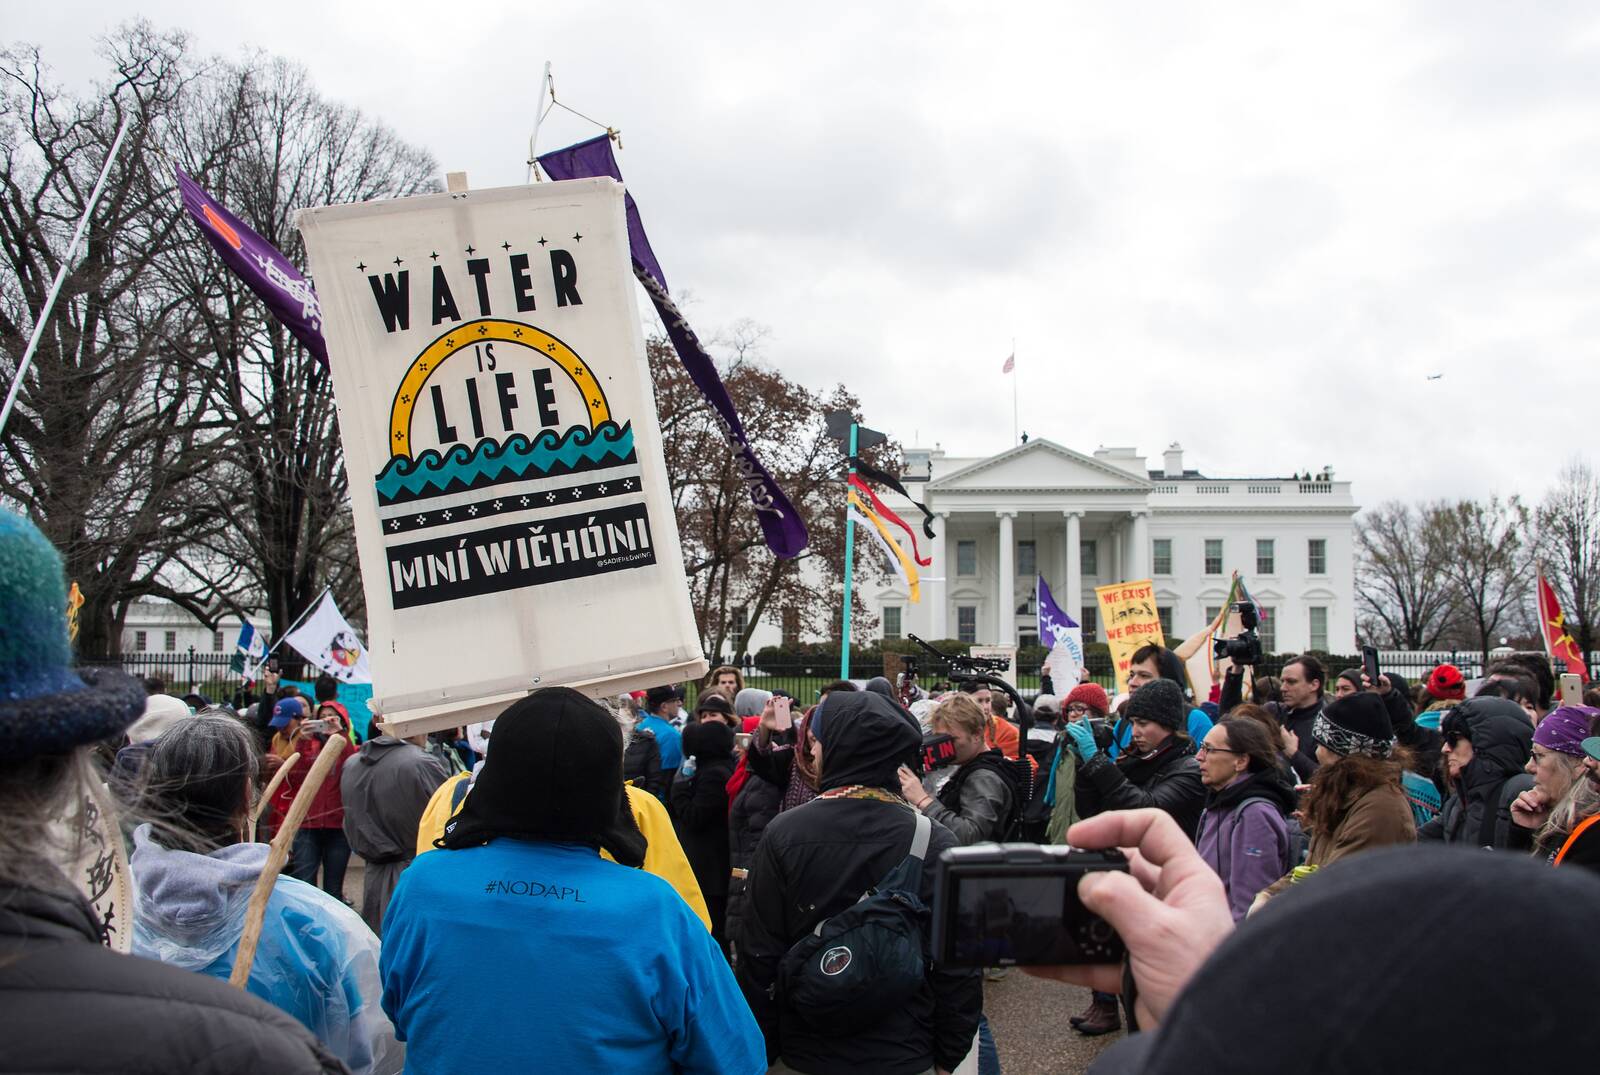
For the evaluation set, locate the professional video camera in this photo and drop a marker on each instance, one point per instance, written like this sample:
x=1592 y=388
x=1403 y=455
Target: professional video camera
x=1245 y=647
x=959 y=667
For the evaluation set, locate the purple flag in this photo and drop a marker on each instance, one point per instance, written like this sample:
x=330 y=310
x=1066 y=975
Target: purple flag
x=259 y=264
x=782 y=526
x=1052 y=621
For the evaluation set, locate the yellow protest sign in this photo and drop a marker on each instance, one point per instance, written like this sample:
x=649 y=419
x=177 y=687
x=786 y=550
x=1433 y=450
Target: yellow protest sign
x=1128 y=613
x=74 y=603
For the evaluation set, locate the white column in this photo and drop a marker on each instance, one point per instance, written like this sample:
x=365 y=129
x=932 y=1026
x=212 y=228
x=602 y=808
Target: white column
x=1007 y=607
x=1141 y=545
x=1074 y=593
x=943 y=570
x=1114 y=539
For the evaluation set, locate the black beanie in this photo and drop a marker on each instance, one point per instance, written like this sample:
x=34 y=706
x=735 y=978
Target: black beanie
x=555 y=774
x=709 y=740
x=1159 y=701
x=1355 y=724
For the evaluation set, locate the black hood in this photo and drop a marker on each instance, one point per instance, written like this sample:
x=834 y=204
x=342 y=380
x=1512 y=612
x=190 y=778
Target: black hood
x=1364 y=995
x=880 y=685
x=1267 y=784
x=1502 y=738
x=865 y=739
x=1398 y=703
x=709 y=740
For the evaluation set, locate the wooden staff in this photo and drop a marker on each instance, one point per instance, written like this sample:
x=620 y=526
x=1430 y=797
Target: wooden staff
x=256 y=914
x=270 y=790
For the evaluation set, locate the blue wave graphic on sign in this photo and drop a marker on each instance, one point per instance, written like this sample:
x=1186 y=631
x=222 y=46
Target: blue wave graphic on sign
x=517 y=459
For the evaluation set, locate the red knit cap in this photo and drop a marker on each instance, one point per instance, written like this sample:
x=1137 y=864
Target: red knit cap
x=1090 y=694
x=1446 y=684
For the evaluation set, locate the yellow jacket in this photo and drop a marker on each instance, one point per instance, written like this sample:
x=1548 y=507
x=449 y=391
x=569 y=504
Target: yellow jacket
x=664 y=857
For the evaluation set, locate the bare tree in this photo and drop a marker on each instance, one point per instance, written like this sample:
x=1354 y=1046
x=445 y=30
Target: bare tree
x=730 y=569
x=1569 y=546
x=289 y=148
x=1401 y=586
x=111 y=444
x=1488 y=564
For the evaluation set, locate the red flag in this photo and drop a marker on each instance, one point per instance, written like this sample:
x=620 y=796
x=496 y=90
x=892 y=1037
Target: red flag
x=1558 y=641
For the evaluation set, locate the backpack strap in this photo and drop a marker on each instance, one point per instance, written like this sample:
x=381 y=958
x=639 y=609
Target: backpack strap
x=908 y=867
x=458 y=793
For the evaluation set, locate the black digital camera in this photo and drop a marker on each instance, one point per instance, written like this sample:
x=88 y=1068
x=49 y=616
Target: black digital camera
x=1245 y=647
x=998 y=905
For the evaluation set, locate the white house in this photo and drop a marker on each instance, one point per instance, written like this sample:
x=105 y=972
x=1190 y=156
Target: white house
x=1088 y=520
x=155 y=626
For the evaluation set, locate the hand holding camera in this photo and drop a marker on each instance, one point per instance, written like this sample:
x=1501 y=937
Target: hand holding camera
x=1169 y=908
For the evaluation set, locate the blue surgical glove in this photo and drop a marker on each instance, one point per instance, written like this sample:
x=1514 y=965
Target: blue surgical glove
x=1081 y=737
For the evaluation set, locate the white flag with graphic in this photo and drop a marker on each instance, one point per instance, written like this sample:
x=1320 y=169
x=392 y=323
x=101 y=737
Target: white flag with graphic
x=327 y=641
x=249 y=650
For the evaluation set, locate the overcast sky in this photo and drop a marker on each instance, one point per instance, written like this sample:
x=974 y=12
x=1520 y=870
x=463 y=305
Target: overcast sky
x=1252 y=228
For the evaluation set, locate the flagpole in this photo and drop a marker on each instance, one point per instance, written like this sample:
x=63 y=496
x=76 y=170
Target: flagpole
x=1015 y=432
x=61 y=274
x=538 y=118
x=326 y=590
x=849 y=563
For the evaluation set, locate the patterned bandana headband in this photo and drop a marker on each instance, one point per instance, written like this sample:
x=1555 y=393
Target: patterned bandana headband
x=1345 y=742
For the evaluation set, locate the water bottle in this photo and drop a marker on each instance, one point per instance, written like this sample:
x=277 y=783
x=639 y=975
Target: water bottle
x=688 y=767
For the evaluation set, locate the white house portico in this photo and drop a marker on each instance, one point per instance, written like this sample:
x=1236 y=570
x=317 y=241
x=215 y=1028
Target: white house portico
x=1087 y=520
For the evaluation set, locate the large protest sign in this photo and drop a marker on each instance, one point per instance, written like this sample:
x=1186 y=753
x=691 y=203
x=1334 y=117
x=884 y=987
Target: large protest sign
x=1007 y=654
x=510 y=498
x=1128 y=611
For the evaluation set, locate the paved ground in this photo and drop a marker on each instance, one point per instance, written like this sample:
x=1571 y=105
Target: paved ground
x=1029 y=1018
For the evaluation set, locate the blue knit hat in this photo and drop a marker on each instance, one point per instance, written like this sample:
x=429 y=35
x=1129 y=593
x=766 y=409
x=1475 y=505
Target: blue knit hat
x=46 y=705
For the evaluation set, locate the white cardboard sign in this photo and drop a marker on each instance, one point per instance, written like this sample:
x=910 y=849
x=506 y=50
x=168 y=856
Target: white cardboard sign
x=511 y=505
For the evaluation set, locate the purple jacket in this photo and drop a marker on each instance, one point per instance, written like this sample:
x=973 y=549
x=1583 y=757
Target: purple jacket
x=1247 y=846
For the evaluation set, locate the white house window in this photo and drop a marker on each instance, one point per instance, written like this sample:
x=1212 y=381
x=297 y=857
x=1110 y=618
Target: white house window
x=216 y=642
x=1027 y=559
x=967 y=623
x=966 y=558
x=1164 y=614
x=1161 y=555
x=1317 y=556
x=1213 y=556
x=1319 y=628
x=1088 y=617
x=170 y=643
x=1266 y=562
x=1088 y=562
x=891 y=621
x=1268 y=629
x=141 y=641
x=1212 y=612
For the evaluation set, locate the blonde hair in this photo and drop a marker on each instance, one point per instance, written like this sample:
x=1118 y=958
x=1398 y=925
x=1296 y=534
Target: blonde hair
x=961 y=712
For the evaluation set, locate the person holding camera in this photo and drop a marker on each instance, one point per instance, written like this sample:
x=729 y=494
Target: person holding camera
x=1086 y=704
x=320 y=844
x=813 y=863
x=1243 y=834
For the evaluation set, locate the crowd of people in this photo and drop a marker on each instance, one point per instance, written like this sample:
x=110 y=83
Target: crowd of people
x=743 y=884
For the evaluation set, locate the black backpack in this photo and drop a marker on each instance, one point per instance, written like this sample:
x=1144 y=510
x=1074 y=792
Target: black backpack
x=867 y=961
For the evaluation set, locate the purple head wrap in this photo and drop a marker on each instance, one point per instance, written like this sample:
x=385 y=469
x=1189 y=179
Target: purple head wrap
x=1565 y=729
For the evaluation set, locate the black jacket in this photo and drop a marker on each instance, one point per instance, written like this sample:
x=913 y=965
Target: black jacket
x=816 y=860
x=700 y=813
x=641 y=763
x=73 y=1005
x=1424 y=743
x=753 y=809
x=1299 y=721
x=1168 y=780
x=1502 y=741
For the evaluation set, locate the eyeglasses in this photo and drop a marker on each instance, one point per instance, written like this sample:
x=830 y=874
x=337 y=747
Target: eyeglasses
x=1077 y=708
x=1207 y=748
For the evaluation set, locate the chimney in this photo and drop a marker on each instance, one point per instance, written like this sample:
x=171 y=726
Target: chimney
x=1173 y=458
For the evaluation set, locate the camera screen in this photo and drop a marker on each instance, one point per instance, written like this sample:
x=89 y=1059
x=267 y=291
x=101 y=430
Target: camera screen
x=1028 y=919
